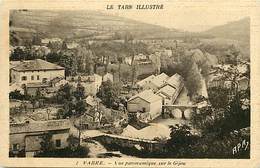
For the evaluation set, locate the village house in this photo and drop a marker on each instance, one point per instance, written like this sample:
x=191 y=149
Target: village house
x=128 y=60
x=108 y=76
x=72 y=45
x=91 y=83
x=146 y=105
x=40 y=51
x=34 y=71
x=26 y=138
x=92 y=102
x=91 y=120
x=137 y=58
x=46 y=41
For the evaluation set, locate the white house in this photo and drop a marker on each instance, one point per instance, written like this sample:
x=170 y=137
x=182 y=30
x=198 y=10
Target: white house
x=146 y=104
x=91 y=83
x=52 y=40
x=108 y=76
x=35 y=71
x=128 y=60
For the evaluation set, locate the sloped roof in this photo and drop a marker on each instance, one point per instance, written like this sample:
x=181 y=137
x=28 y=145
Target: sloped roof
x=160 y=79
x=147 y=95
x=167 y=90
x=145 y=80
x=13 y=64
x=37 y=64
x=39 y=126
x=175 y=80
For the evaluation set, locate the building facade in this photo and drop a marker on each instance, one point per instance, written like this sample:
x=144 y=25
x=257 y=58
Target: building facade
x=146 y=105
x=26 y=138
x=35 y=71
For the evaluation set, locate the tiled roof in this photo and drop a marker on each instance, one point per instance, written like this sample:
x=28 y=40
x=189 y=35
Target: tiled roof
x=39 y=126
x=147 y=95
x=146 y=80
x=160 y=79
x=13 y=64
x=175 y=80
x=34 y=65
x=167 y=90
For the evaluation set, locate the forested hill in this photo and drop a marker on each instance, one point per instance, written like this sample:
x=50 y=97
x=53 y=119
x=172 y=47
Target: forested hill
x=75 y=24
x=236 y=30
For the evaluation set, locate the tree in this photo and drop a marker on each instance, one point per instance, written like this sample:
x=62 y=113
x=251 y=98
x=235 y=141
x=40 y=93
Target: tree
x=73 y=142
x=65 y=92
x=109 y=93
x=46 y=143
x=68 y=61
x=80 y=92
x=180 y=140
x=120 y=60
x=85 y=60
x=16 y=95
x=53 y=57
x=36 y=40
x=218 y=96
x=80 y=107
x=189 y=70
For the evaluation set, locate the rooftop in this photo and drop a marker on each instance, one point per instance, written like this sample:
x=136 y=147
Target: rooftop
x=160 y=79
x=175 y=80
x=145 y=80
x=39 y=126
x=167 y=90
x=34 y=65
x=147 y=95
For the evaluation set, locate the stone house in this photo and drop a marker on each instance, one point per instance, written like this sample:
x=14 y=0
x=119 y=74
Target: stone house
x=26 y=137
x=35 y=71
x=146 y=105
x=91 y=83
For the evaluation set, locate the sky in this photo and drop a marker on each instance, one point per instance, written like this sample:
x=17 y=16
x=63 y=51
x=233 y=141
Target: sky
x=187 y=15
x=193 y=18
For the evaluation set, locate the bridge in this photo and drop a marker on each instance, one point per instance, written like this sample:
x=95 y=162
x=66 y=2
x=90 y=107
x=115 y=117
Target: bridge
x=183 y=111
x=122 y=141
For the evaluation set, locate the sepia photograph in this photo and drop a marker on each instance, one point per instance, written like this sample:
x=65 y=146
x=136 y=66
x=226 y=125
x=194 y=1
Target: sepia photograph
x=93 y=84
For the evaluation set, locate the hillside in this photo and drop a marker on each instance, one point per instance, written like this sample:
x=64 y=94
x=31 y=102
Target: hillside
x=236 y=30
x=75 y=24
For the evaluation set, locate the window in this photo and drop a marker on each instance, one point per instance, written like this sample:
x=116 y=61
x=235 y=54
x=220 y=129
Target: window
x=32 y=77
x=38 y=77
x=24 y=78
x=58 y=143
x=15 y=147
x=143 y=109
